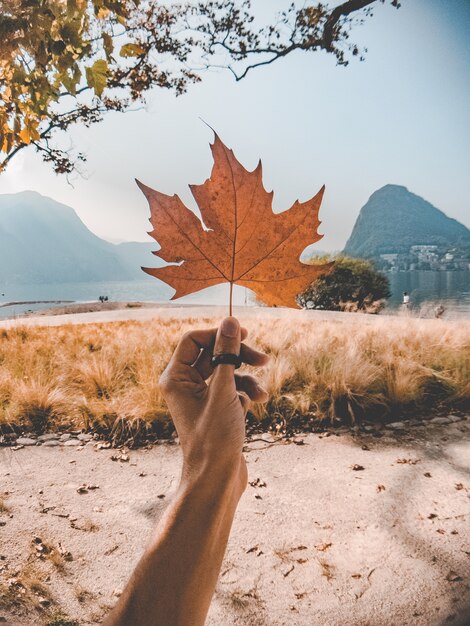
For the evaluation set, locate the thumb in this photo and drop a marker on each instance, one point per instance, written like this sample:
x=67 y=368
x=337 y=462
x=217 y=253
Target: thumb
x=227 y=341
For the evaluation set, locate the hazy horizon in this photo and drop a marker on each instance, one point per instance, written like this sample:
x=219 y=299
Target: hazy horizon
x=400 y=117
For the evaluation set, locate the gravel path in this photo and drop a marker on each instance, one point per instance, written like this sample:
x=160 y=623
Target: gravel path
x=109 y=313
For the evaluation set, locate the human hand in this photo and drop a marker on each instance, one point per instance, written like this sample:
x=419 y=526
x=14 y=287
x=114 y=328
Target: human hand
x=175 y=579
x=210 y=417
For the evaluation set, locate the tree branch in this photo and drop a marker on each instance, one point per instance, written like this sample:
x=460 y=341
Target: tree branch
x=158 y=52
x=277 y=55
x=305 y=36
x=10 y=155
x=343 y=10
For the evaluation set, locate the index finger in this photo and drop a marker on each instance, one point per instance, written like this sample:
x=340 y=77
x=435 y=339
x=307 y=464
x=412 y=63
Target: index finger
x=192 y=342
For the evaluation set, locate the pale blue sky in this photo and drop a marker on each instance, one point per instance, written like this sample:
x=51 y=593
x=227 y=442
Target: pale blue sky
x=401 y=117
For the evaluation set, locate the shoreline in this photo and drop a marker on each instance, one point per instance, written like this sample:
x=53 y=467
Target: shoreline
x=22 y=302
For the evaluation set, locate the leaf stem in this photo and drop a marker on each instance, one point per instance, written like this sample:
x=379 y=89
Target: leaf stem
x=230 y=301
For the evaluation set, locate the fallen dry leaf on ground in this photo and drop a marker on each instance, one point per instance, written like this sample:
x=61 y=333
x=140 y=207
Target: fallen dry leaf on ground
x=286 y=572
x=327 y=570
x=357 y=468
x=323 y=547
x=257 y=483
x=239 y=239
x=124 y=458
x=65 y=554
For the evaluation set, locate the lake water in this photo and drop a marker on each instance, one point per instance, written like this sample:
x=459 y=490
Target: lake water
x=452 y=289
x=147 y=290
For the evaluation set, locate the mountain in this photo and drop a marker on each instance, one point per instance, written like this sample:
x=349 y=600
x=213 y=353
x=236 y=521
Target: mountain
x=137 y=254
x=43 y=241
x=394 y=219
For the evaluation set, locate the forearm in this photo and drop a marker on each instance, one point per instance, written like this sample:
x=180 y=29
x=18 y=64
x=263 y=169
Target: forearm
x=175 y=579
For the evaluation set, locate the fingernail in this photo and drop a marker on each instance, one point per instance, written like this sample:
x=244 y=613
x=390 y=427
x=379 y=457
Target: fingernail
x=260 y=389
x=229 y=327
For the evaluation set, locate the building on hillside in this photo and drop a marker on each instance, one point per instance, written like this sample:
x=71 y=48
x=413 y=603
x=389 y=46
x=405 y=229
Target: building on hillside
x=390 y=258
x=425 y=257
x=423 y=249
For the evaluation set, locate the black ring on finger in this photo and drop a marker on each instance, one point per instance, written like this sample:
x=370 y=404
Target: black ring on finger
x=226 y=359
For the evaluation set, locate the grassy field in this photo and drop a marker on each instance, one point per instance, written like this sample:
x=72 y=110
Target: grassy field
x=105 y=376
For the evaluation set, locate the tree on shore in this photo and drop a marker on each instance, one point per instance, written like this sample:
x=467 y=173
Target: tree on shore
x=352 y=285
x=64 y=62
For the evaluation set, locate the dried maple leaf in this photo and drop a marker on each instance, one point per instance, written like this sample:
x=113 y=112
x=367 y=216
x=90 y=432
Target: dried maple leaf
x=240 y=241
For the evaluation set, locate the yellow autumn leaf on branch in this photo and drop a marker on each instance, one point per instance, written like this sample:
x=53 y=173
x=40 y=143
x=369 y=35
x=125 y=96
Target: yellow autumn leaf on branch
x=7 y=143
x=108 y=44
x=25 y=136
x=97 y=76
x=131 y=50
x=29 y=133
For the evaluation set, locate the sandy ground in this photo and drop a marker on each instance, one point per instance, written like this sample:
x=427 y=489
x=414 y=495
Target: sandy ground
x=320 y=544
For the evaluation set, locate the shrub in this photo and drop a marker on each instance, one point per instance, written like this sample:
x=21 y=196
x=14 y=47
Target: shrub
x=352 y=285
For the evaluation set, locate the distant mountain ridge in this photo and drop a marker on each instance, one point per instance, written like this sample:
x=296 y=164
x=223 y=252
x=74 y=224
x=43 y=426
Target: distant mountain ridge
x=44 y=241
x=394 y=219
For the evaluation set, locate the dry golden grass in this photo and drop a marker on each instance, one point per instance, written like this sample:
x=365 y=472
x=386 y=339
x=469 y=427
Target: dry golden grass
x=105 y=376
x=87 y=526
x=83 y=595
x=24 y=588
